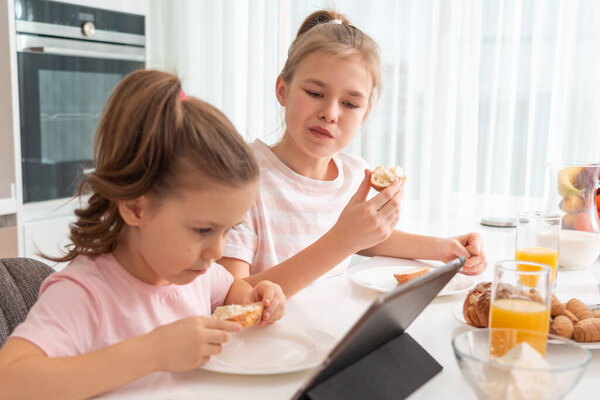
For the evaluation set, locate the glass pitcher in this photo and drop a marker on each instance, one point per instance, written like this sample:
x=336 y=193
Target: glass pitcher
x=572 y=195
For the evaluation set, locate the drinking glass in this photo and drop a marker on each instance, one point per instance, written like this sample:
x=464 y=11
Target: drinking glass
x=520 y=302
x=538 y=240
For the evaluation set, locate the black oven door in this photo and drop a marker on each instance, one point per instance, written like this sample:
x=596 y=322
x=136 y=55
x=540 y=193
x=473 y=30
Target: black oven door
x=61 y=100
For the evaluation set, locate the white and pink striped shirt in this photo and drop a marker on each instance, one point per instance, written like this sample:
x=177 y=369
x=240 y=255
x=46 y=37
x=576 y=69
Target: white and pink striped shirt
x=291 y=211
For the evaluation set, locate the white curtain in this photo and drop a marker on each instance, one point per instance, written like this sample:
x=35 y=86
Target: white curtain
x=478 y=95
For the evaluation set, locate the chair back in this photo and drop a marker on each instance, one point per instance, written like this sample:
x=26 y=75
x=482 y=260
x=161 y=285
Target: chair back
x=20 y=281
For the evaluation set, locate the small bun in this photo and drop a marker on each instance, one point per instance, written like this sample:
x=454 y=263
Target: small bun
x=382 y=177
x=321 y=17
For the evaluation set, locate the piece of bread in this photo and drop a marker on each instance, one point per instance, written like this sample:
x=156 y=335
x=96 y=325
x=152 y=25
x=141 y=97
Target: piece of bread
x=411 y=274
x=476 y=308
x=247 y=315
x=382 y=177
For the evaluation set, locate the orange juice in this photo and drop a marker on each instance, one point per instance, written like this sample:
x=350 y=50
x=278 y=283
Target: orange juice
x=540 y=255
x=518 y=314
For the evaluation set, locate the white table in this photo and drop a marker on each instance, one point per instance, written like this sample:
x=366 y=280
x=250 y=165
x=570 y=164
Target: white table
x=334 y=304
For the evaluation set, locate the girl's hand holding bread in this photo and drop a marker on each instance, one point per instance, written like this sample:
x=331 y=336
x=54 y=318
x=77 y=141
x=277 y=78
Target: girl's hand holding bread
x=188 y=343
x=272 y=298
x=364 y=223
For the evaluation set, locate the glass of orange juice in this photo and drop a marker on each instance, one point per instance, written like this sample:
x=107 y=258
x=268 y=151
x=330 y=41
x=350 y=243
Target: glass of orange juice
x=521 y=297
x=538 y=239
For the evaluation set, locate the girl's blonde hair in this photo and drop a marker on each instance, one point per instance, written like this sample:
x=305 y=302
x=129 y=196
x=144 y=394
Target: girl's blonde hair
x=330 y=32
x=153 y=141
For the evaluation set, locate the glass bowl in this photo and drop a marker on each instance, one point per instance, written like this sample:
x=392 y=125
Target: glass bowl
x=495 y=379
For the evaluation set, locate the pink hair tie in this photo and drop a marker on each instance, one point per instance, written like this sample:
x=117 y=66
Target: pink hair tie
x=182 y=95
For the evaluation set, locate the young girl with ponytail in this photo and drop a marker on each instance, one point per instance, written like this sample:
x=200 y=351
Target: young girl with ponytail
x=172 y=178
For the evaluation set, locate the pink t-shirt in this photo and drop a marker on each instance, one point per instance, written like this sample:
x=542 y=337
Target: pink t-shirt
x=94 y=302
x=291 y=211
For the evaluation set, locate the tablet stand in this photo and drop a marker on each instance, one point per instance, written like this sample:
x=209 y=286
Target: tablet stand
x=393 y=371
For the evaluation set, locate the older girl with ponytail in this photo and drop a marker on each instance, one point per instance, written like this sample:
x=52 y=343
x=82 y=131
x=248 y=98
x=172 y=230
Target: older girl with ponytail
x=312 y=212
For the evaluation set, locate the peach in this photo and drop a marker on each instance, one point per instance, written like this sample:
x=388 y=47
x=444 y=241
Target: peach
x=582 y=222
x=571 y=204
x=568 y=221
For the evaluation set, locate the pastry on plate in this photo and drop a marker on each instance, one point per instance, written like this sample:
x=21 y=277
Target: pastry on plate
x=476 y=308
x=410 y=274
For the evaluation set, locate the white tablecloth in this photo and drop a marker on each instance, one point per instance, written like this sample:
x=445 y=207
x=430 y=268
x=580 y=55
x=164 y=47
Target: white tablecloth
x=334 y=304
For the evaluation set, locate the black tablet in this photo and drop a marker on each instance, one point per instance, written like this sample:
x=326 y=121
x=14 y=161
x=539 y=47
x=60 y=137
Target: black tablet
x=376 y=358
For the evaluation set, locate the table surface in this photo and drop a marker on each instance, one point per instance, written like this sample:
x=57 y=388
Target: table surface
x=334 y=304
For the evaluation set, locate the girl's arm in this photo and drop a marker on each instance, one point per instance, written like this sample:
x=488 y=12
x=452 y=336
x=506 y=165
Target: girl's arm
x=236 y=267
x=298 y=271
x=407 y=245
x=27 y=373
x=363 y=223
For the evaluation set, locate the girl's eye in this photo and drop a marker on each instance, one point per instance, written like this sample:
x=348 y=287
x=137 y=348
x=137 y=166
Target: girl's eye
x=313 y=94
x=202 y=231
x=350 y=105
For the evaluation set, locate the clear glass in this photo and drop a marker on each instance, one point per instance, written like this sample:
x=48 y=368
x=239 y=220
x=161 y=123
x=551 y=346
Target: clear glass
x=538 y=238
x=572 y=195
x=520 y=300
x=567 y=362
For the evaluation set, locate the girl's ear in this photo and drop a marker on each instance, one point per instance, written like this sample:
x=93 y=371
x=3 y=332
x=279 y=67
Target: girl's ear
x=132 y=210
x=280 y=87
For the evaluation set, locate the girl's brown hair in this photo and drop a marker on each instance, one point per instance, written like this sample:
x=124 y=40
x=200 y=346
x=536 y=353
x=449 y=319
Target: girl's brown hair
x=318 y=34
x=151 y=141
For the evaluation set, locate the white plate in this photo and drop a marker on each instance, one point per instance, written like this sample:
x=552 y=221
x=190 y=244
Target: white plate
x=458 y=315
x=275 y=349
x=382 y=279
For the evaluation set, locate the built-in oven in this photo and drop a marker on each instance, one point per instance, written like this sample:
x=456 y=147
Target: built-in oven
x=70 y=58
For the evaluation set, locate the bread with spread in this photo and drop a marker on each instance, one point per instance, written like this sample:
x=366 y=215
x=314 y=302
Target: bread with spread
x=382 y=177
x=246 y=315
x=410 y=274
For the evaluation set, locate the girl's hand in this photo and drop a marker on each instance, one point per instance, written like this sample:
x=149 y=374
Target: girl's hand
x=190 y=342
x=365 y=223
x=469 y=246
x=272 y=298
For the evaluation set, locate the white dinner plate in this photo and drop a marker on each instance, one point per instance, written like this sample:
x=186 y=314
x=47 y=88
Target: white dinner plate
x=274 y=349
x=382 y=279
x=458 y=315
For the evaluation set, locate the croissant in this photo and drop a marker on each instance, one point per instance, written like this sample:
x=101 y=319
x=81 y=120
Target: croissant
x=587 y=330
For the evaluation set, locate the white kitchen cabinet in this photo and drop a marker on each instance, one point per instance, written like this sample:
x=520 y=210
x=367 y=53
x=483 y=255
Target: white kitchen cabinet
x=9 y=246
